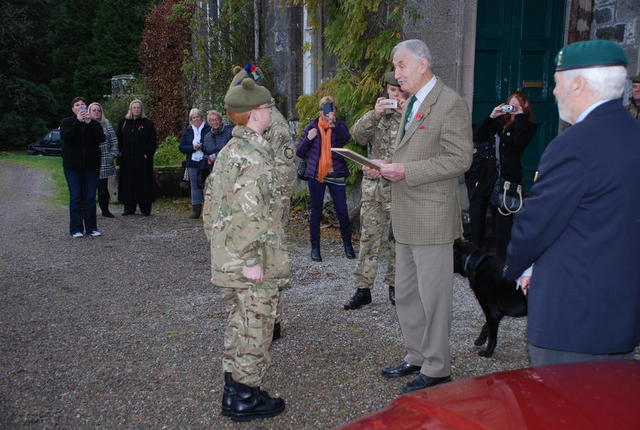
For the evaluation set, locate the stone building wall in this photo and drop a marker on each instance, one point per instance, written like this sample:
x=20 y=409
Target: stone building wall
x=448 y=27
x=619 y=21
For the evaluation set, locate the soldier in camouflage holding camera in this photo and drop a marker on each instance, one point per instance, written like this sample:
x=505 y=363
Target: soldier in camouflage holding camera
x=248 y=256
x=377 y=130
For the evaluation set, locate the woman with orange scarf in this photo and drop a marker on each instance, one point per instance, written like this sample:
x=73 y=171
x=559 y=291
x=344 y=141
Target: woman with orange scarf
x=326 y=169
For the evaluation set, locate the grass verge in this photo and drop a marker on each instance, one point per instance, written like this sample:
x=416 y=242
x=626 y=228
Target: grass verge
x=53 y=165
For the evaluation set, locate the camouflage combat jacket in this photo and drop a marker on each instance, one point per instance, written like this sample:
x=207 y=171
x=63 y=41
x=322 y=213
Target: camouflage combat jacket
x=238 y=213
x=379 y=135
x=633 y=108
x=281 y=142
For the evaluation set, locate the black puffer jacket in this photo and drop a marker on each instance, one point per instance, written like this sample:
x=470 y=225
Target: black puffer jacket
x=81 y=144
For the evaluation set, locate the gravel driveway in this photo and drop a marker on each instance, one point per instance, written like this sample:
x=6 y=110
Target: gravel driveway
x=125 y=331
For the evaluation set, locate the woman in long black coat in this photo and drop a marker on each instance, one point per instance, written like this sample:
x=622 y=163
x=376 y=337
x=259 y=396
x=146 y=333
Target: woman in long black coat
x=137 y=140
x=515 y=129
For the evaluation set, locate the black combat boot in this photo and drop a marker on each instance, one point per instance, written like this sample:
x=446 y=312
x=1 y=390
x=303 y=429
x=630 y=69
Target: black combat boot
x=360 y=298
x=392 y=295
x=315 y=250
x=277 y=331
x=196 y=210
x=104 y=206
x=228 y=393
x=348 y=249
x=251 y=402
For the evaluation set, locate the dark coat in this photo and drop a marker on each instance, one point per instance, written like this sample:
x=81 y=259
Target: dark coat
x=215 y=140
x=186 y=145
x=81 y=144
x=137 y=141
x=581 y=228
x=513 y=142
x=311 y=149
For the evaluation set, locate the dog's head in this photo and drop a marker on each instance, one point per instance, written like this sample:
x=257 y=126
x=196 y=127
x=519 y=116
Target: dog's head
x=466 y=257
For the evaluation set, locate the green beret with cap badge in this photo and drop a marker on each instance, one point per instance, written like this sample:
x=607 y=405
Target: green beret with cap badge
x=590 y=53
x=390 y=79
x=635 y=79
x=246 y=96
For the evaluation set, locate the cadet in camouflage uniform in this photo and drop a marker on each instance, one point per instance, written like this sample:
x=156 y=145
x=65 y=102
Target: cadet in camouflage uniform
x=634 y=101
x=377 y=130
x=281 y=142
x=247 y=254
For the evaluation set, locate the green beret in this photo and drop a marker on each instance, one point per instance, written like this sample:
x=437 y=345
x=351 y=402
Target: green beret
x=249 y=71
x=635 y=79
x=246 y=96
x=390 y=79
x=590 y=53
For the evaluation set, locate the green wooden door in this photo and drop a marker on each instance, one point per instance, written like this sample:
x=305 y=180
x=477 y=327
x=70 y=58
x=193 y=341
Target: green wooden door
x=516 y=43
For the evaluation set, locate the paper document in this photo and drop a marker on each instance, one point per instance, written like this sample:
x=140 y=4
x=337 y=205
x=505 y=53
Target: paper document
x=360 y=159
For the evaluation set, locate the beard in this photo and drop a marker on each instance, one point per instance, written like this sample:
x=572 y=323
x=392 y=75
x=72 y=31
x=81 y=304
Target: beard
x=563 y=109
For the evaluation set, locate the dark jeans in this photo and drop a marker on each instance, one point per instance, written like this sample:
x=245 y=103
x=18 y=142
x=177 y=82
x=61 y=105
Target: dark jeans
x=339 y=197
x=82 y=200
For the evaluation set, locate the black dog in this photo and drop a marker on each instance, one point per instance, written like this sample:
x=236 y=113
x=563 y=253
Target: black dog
x=497 y=296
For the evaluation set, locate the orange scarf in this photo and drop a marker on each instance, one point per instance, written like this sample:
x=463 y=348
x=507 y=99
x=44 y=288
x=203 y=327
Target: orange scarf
x=325 y=165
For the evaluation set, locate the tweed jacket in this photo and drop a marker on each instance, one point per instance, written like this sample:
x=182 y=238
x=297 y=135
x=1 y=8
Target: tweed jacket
x=435 y=150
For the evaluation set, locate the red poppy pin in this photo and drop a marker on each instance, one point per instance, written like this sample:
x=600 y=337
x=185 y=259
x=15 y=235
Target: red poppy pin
x=419 y=116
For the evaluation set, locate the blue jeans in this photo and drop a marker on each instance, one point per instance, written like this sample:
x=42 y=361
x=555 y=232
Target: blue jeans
x=339 y=197
x=82 y=200
x=197 y=193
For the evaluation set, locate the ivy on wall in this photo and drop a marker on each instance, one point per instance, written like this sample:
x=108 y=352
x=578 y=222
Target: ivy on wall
x=361 y=35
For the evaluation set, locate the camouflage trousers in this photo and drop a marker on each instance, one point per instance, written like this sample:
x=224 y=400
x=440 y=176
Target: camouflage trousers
x=375 y=230
x=247 y=338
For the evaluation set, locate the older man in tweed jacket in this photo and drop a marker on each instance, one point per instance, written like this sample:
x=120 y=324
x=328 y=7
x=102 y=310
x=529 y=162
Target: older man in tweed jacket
x=434 y=149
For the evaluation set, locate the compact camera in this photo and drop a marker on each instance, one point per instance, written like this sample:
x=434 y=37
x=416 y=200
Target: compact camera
x=389 y=103
x=507 y=108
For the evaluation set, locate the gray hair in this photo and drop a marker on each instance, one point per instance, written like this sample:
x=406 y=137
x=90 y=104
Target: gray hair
x=604 y=82
x=195 y=111
x=416 y=47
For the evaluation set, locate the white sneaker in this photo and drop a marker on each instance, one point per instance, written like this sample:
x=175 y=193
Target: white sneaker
x=95 y=233
x=77 y=234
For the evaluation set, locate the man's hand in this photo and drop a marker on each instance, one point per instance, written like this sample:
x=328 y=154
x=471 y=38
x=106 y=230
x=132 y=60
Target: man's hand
x=393 y=171
x=524 y=282
x=311 y=134
x=253 y=273
x=373 y=173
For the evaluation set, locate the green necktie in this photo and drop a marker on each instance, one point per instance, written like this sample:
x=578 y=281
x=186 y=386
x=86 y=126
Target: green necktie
x=412 y=100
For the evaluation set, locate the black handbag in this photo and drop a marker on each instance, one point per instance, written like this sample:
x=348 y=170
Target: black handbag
x=302 y=169
x=506 y=195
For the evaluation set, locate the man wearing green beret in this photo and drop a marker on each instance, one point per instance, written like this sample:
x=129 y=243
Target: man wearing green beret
x=579 y=228
x=376 y=130
x=281 y=142
x=634 y=101
x=246 y=251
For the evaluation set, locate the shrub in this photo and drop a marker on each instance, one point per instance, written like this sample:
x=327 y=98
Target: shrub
x=168 y=153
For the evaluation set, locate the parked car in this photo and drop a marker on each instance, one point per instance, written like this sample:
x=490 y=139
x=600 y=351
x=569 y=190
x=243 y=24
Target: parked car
x=580 y=396
x=49 y=144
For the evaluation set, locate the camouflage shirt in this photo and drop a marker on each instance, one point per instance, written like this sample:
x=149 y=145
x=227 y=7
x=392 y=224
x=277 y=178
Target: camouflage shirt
x=379 y=135
x=238 y=210
x=281 y=143
x=633 y=108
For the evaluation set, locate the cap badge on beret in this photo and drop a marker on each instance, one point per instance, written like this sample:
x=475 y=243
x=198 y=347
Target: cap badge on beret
x=252 y=72
x=590 y=53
